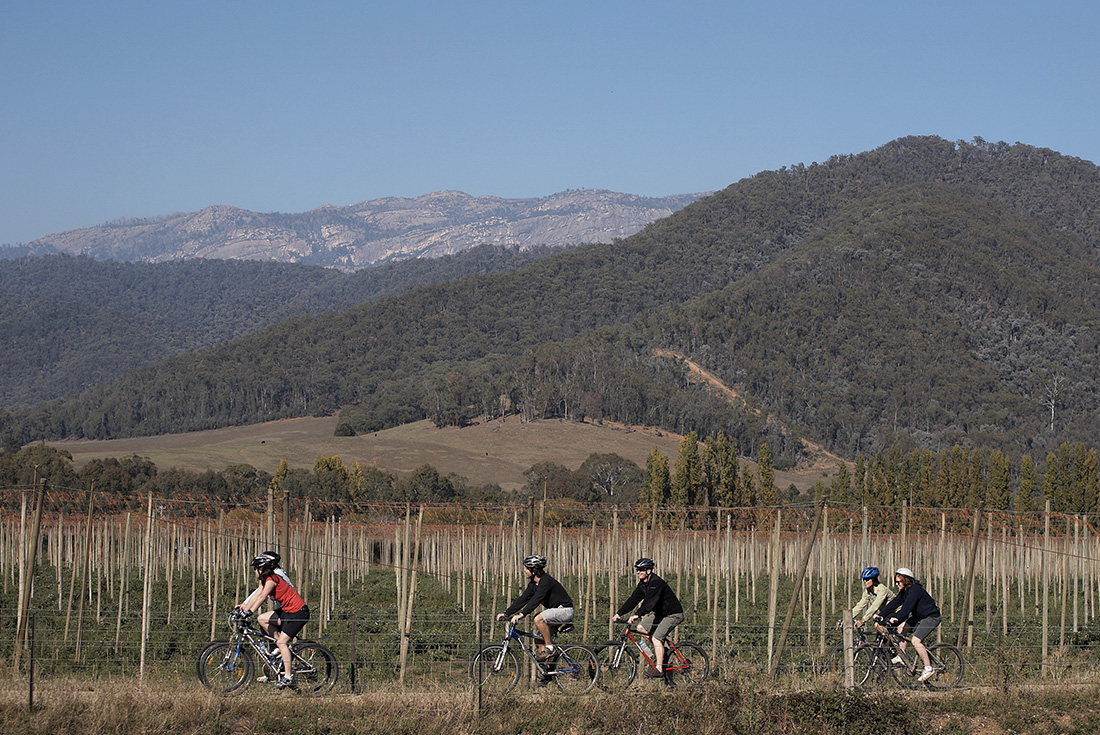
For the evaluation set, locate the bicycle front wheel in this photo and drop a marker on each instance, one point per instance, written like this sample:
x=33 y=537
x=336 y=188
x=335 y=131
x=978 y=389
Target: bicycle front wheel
x=618 y=666
x=868 y=666
x=225 y=667
x=948 y=663
x=834 y=664
x=494 y=669
x=575 y=669
x=690 y=665
x=315 y=668
x=906 y=673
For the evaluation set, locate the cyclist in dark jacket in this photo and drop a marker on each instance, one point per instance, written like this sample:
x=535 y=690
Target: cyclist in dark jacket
x=660 y=611
x=542 y=589
x=914 y=611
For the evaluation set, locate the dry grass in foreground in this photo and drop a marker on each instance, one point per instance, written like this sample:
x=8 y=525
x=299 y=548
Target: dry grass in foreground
x=717 y=708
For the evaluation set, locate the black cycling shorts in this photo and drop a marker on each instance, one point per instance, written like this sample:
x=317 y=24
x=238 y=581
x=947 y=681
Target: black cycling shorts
x=292 y=623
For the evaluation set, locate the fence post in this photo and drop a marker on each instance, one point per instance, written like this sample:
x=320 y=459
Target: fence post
x=30 y=553
x=354 y=657
x=30 y=664
x=1046 y=590
x=147 y=594
x=966 y=621
x=797 y=585
x=849 y=662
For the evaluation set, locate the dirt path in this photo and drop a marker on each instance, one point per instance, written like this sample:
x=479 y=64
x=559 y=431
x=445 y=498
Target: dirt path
x=819 y=459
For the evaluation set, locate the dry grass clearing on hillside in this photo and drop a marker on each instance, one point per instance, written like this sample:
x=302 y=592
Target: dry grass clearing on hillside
x=493 y=452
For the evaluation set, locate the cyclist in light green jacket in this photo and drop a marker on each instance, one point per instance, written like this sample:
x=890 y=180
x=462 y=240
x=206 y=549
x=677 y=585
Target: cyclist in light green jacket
x=875 y=595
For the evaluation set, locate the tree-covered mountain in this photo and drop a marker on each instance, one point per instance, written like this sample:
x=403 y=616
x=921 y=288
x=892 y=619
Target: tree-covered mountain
x=923 y=293
x=364 y=234
x=68 y=323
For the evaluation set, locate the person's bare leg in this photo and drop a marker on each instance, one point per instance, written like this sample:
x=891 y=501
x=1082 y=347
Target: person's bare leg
x=659 y=654
x=544 y=630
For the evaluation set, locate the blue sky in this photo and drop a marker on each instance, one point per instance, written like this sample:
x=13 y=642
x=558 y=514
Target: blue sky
x=135 y=109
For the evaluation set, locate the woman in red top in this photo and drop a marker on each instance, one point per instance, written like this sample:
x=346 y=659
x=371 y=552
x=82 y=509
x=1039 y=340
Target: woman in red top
x=290 y=614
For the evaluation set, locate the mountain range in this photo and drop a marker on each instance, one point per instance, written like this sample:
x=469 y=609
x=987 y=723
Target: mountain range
x=923 y=294
x=368 y=233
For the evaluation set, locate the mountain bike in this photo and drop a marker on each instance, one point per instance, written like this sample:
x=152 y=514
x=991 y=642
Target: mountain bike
x=873 y=660
x=227 y=667
x=684 y=662
x=573 y=667
x=834 y=662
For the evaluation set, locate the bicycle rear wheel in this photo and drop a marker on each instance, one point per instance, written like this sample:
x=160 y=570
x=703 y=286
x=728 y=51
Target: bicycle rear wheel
x=494 y=669
x=618 y=666
x=690 y=665
x=576 y=669
x=315 y=668
x=225 y=667
x=948 y=663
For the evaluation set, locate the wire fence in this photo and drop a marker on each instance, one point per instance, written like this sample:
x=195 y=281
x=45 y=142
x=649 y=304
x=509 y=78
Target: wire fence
x=120 y=588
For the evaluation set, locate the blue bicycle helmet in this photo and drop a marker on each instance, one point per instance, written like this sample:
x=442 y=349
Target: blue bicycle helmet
x=869 y=573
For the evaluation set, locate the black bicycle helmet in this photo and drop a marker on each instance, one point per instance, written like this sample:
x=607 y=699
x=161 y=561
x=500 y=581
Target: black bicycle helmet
x=869 y=573
x=645 y=564
x=266 y=561
x=535 y=562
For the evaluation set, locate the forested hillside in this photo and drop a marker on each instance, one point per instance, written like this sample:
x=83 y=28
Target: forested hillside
x=921 y=294
x=68 y=323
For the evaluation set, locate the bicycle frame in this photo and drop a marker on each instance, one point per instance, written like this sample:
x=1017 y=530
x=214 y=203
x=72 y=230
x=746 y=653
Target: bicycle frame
x=243 y=633
x=562 y=665
x=674 y=660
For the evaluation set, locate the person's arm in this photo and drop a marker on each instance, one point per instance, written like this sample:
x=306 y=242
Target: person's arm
x=876 y=604
x=542 y=589
x=256 y=599
x=887 y=610
x=860 y=607
x=903 y=611
x=519 y=601
x=634 y=599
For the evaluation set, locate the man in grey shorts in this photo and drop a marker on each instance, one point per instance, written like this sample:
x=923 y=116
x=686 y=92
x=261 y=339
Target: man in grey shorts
x=660 y=611
x=542 y=589
x=914 y=612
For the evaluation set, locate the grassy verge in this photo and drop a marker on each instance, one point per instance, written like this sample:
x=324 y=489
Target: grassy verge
x=718 y=708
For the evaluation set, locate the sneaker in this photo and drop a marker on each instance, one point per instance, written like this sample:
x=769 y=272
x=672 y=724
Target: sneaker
x=285 y=682
x=262 y=678
x=545 y=654
x=929 y=672
x=654 y=674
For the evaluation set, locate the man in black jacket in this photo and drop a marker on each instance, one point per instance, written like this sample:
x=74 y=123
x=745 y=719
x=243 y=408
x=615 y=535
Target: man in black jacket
x=914 y=611
x=542 y=589
x=660 y=611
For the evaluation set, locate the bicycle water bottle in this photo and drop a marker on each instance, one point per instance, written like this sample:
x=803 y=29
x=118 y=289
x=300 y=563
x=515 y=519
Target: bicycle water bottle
x=645 y=648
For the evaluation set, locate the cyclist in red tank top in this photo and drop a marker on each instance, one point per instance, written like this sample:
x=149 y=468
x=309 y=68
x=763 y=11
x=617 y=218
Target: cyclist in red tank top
x=290 y=614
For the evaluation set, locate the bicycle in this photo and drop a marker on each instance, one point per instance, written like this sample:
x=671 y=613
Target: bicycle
x=873 y=660
x=573 y=668
x=226 y=667
x=687 y=662
x=833 y=663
